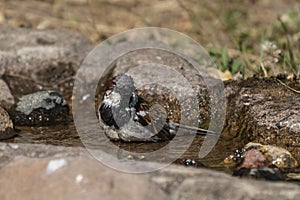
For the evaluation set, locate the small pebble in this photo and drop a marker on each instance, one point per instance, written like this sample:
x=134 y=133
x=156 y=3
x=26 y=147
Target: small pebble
x=79 y=178
x=262 y=161
x=54 y=165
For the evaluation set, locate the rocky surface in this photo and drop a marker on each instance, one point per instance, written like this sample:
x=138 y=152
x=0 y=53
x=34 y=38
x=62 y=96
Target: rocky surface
x=185 y=183
x=263 y=110
x=167 y=75
x=39 y=172
x=29 y=171
x=39 y=58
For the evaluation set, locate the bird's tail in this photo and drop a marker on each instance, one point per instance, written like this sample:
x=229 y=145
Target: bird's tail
x=199 y=131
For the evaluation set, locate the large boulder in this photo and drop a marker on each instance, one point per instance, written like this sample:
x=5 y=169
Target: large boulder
x=263 y=110
x=32 y=59
x=44 y=171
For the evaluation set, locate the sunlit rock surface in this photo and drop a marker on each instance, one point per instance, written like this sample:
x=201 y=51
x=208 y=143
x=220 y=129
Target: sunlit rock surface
x=44 y=171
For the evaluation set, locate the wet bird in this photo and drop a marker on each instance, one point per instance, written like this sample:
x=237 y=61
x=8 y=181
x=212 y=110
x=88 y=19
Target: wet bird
x=128 y=117
x=119 y=103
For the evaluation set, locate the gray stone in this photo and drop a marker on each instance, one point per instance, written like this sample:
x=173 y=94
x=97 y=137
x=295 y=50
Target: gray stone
x=44 y=99
x=42 y=55
x=187 y=183
x=41 y=108
x=33 y=60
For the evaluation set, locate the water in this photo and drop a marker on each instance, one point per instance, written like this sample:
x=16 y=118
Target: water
x=66 y=135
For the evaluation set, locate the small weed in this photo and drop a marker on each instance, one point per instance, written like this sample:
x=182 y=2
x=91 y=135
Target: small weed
x=221 y=58
x=290 y=59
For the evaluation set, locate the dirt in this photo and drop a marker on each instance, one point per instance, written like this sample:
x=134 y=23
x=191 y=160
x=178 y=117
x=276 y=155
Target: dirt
x=206 y=21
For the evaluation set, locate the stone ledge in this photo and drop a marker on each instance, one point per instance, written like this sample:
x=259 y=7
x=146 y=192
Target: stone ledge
x=33 y=171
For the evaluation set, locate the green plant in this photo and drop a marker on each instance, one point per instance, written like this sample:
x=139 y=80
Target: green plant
x=290 y=59
x=221 y=58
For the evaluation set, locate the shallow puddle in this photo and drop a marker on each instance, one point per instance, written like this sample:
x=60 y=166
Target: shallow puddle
x=66 y=135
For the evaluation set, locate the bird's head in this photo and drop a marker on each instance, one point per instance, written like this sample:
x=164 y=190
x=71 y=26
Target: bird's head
x=124 y=85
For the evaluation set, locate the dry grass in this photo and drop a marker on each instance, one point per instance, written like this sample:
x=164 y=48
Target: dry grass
x=233 y=32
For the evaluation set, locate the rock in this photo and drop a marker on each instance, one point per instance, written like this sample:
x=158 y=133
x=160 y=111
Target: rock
x=6 y=125
x=149 y=66
x=156 y=81
x=264 y=111
x=41 y=108
x=266 y=173
x=253 y=158
x=277 y=156
x=67 y=173
x=45 y=57
x=71 y=173
x=257 y=166
x=262 y=161
x=204 y=184
x=6 y=98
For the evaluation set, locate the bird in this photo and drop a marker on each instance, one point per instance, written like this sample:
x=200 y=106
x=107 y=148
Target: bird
x=129 y=117
x=119 y=103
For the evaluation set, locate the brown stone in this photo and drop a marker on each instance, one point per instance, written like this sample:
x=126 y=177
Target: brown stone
x=264 y=111
x=254 y=159
x=6 y=125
